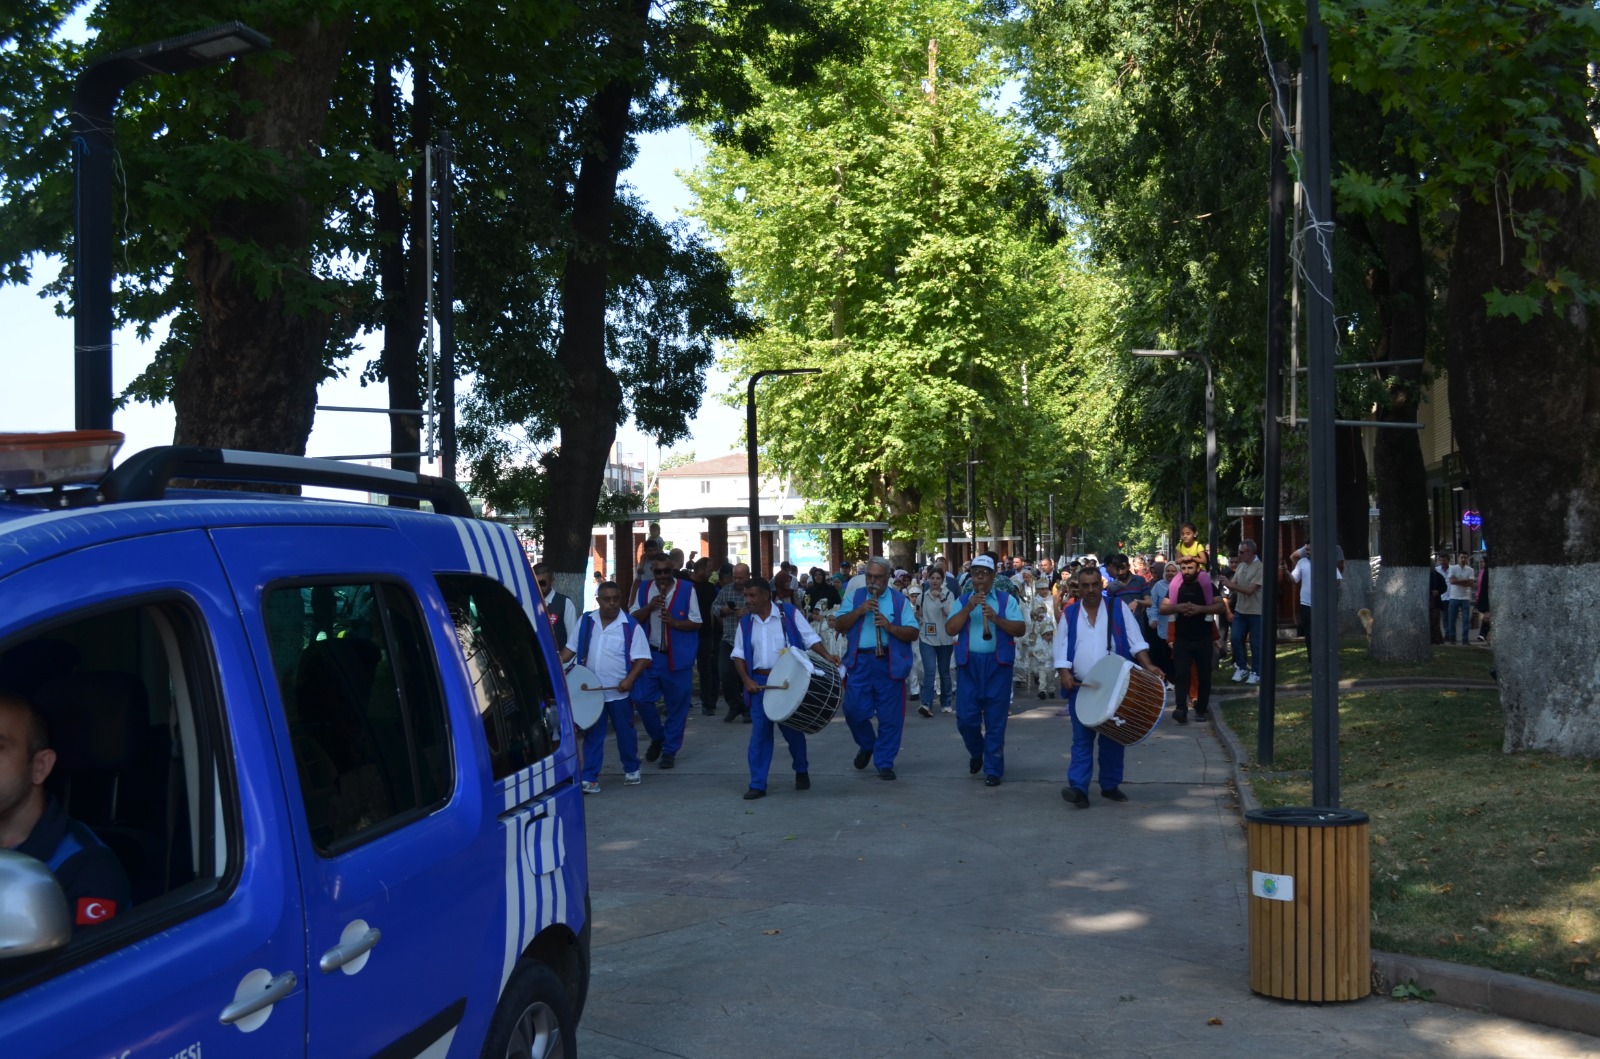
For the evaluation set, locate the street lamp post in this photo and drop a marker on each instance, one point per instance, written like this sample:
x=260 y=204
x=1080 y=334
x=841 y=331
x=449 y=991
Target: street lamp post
x=1211 y=439
x=756 y=568
x=93 y=103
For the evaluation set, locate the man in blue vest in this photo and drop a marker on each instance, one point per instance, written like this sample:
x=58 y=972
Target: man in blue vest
x=670 y=613
x=1087 y=633
x=985 y=651
x=878 y=629
x=34 y=823
x=764 y=631
x=613 y=645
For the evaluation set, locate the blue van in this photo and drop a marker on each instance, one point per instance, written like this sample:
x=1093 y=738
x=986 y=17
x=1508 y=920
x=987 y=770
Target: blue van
x=330 y=746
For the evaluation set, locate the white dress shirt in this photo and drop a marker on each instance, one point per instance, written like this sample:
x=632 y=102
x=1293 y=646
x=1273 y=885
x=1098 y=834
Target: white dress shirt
x=570 y=612
x=609 y=655
x=768 y=639
x=1092 y=638
x=658 y=636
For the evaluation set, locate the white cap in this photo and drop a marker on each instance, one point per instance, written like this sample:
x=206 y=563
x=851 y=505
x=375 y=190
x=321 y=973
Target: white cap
x=983 y=561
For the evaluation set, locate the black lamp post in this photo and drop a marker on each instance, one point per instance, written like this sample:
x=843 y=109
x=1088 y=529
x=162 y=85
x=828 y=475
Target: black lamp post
x=93 y=102
x=756 y=568
x=1211 y=439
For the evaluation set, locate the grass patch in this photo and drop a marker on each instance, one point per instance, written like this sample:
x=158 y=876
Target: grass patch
x=1478 y=857
x=1449 y=663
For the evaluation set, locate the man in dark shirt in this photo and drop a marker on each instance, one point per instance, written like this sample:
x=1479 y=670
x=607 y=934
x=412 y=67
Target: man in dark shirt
x=32 y=822
x=1191 y=601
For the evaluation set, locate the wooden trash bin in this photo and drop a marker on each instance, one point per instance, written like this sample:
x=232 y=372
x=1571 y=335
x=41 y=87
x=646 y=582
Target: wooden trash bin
x=1310 y=904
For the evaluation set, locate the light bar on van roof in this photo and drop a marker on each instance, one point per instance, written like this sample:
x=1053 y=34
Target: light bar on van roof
x=66 y=457
x=145 y=475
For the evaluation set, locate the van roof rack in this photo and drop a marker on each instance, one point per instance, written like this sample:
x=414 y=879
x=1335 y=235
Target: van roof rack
x=146 y=475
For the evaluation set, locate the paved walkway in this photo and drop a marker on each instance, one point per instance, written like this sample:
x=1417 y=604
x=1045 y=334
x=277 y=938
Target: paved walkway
x=932 y=916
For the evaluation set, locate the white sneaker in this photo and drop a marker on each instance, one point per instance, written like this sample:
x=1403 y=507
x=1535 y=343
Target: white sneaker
x=1255 y=678
x=1238 y=674
x=630 y=779
x=591 y=788
x=947 y=710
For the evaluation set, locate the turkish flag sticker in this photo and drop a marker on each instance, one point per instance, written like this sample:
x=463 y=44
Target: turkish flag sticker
x=92 y=910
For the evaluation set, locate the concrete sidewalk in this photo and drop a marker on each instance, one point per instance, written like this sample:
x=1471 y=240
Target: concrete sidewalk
x=932 y=916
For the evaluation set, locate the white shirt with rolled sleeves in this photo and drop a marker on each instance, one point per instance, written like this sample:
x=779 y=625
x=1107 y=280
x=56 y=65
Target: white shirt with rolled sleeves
x=1092 y=638
x=769 y=639
x=609 y=656
x=656 y=632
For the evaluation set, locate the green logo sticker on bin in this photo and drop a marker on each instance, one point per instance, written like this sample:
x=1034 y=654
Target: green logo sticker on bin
x=1272 y=887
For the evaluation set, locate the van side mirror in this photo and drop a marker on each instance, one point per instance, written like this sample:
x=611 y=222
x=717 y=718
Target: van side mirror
x=33 y=911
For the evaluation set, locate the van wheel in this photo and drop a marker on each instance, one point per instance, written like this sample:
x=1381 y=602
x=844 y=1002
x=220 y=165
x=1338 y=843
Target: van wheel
x=533 y=1019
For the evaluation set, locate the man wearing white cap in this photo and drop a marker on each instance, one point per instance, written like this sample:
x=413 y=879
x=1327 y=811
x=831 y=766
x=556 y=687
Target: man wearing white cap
x=985 y=651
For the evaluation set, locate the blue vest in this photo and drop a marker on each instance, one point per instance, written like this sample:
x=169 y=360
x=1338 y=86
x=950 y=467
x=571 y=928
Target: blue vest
x=1005 y=648
x=790 y=630
x=1118 y=635
x=586 y=625
x=899 y=650
x=681 y=646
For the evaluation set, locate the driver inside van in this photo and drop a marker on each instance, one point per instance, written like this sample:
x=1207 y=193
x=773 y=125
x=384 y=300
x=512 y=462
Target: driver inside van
x=33 y=822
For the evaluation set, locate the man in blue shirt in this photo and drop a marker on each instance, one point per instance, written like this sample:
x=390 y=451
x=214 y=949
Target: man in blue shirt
x=985 y=650
x=877 y=658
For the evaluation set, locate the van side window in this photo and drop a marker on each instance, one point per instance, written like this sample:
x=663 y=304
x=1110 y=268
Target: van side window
x=510 y=680
x=361 y=698
x=129 y=698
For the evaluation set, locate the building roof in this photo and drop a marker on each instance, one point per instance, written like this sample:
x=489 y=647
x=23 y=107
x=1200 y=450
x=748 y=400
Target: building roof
x=735 y=463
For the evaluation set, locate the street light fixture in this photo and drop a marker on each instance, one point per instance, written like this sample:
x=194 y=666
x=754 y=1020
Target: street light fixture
x=93 y=103
x=750 y=461
x=1211 y=439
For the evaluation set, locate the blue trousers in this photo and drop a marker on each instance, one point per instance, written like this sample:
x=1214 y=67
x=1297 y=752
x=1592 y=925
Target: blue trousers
x=870 y=695
x=659 y=682
x=983 y=704
x=1082 y=765
x=620 y=713
x=1247 y=625
x=936 y=659
x=762 y=743
x=1462 y=609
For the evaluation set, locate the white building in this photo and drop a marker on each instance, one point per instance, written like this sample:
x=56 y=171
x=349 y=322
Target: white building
x=723 y=482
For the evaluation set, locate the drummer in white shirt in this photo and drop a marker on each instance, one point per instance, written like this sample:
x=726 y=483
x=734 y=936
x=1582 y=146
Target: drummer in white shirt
x=1082 y=639
x=613 y=645
x=762 y=633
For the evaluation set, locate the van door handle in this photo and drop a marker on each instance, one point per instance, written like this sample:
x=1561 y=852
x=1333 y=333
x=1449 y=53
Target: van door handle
x=349 y=951
x=244 y=1007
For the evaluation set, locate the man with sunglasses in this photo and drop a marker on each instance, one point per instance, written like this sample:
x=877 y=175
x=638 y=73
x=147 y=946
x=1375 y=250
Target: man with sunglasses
x=563 y=615
x=670 y=612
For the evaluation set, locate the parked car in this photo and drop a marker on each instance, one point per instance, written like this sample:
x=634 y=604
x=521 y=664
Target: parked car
x=329 y=744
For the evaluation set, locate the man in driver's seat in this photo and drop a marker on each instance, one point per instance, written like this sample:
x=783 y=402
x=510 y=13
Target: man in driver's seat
x=33 y=822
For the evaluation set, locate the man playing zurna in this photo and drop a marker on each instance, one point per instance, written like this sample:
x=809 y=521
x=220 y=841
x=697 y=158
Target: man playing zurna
x=878 y=628
x=985 y=651
x=670 y=613
x=763 y=632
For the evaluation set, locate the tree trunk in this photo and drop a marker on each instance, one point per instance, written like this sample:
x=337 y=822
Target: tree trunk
x=1354 y=505
x=1400 y=611
x=593 y=394
x=1525 y=403
x=250 y=380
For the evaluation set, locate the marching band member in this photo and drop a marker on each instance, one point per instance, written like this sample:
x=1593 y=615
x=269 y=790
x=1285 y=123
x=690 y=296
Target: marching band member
x=984 y=656
x=878 y=660
x=613 y=645
x=1087 y=633
x=763 y=633
x=670 y=612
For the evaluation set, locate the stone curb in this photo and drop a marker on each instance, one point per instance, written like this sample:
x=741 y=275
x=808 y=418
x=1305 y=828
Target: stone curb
x=1459 y=985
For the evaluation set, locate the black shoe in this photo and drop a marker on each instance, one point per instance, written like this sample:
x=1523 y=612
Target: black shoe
x=733 y=715
x=1202 y=716
x=746 y=717
x=862 y=758
x=667 y=761
x=991 y=781
x=709 y=711
x=802 y=781
x=1075 y=798
x=974 y=764
x=1181 y=716
x=1113 y=795
x=886 y=774
x=752 y=794
x=924 y=711
x=653 y=751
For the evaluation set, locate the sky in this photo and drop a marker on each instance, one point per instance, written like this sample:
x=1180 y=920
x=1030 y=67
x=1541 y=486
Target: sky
x=36 y=383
